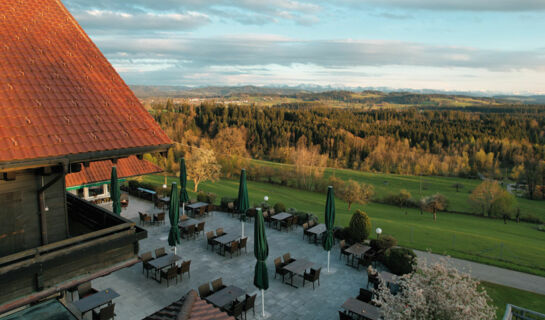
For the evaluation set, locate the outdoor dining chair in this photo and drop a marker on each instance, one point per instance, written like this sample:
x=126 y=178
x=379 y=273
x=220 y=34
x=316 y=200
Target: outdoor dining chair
x=210 y=240
x=219 y=232
x=85 y=289
x=249 y=303
x=159 y=252
x=233 y=247
x=204 y=290
x=200 y=228
x=105 y=313
x=189 y=231
x=184 y=268
x=305 y=230
x=287 y=258
x=217 y=285
x=236 y=310
x=243 y=244
x=279 y=268
x=312 y=276
x=343 y=246
x=365 y=295
x=146 y=257
x=344 y=316
x=159 y=218
x=171 y=273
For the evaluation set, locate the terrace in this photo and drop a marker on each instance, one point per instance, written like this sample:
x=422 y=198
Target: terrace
x=140 y=297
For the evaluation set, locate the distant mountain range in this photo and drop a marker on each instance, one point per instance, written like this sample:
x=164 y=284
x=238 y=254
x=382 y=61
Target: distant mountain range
x=145 y=92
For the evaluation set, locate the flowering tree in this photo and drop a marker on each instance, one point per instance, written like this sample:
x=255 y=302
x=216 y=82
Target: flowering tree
x=435 y=291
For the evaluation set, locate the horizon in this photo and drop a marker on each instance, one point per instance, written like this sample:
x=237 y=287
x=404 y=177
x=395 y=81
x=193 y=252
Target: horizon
x=402 y=45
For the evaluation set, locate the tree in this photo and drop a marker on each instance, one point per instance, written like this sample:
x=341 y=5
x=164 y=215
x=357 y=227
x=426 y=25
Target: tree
x=435 y=291
x=359 y=228
x=354 y=192
x=490 y=199
x=434 y=203
x=202 y=166
x=309 y=163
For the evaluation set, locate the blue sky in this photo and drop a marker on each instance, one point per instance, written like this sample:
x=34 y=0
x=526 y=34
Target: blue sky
x=475 y=45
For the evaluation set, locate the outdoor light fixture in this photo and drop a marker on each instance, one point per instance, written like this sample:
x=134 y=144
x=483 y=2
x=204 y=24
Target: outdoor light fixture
x=378 y=231
x=164 y=186
x=266 y=198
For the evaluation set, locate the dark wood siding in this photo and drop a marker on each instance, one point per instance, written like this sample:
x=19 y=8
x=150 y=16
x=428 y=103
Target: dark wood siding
x=19 y=212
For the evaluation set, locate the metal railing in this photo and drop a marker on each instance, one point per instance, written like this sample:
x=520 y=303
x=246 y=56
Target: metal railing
x=517 y=313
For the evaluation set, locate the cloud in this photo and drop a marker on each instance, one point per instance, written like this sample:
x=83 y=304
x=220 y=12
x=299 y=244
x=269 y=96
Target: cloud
x=453 y=5
x=242 y=11
x=109 y=20
x=246 y=50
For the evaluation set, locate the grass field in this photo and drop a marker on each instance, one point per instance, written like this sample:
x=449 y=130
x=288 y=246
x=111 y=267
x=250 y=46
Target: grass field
x=425 y=185
x=502 y=295
x=515 y=246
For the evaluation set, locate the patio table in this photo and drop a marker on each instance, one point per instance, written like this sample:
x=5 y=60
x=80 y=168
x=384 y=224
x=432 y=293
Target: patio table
x=162 y=262
x=361 y=309
x=297 y=267
x=279 y=217
x=95 y=300
x=356 y=250
x=195 y=206
x=317 y=230
x=388 y=277
x=225 y=296
x=226 y=239
x=189 y=222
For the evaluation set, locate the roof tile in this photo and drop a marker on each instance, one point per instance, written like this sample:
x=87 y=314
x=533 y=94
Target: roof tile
x=54 y=75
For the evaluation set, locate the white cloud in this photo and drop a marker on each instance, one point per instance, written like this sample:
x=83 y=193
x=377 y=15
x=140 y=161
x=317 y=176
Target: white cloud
x=456 y=5
x=110 y=20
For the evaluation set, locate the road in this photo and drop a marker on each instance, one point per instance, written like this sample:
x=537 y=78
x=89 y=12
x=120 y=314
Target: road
x=484 y=272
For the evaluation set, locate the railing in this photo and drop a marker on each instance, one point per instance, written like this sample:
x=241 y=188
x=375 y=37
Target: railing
x=517 y=313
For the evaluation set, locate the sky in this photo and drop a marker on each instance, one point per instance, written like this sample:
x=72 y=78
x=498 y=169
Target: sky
x=454 y=45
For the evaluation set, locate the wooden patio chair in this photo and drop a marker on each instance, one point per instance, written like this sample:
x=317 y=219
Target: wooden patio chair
x=243 y=244
x=144 y=218
x=159 y=218
x=231 y=207
x=105 y=313
x=204 y=290
x=232 y=248
x=279 y=268
x=365 y=295
x=219 y=232
x=85 y=289
x=171 y=273
x=342 y=252
x=189 y=231
x=184 y=268
x=305 y=230
x=146 y=257
x=200 y=228
x=249 y=303
x=312 y=276
x=217 y=285
x=210 y=240
x=159 y=252
x=287 y=258
x=344 y=316
x=236 y=310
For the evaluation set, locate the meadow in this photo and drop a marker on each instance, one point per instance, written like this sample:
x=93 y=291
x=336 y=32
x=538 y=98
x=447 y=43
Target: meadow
x=514 y=246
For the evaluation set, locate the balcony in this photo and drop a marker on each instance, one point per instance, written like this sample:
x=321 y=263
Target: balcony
x=100 y=243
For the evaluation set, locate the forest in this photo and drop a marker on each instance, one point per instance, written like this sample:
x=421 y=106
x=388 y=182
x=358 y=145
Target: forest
x=507 y=142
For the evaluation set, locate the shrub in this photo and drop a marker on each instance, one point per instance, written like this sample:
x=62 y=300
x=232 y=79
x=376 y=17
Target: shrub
x=279 y=207
x=338 y=232
x=211 y=197
x=385 y=241
x=541 y=227
x=202 y=197
x=399 y=260
x=531 y=218
x=359 y=228
x=224 y=202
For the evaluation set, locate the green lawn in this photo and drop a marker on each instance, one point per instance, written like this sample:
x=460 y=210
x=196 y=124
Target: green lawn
x=502 y=295
x=514 y=246
x=392 y=183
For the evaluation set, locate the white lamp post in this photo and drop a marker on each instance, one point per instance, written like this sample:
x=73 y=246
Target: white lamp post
x=266 y=198
x=378 y=231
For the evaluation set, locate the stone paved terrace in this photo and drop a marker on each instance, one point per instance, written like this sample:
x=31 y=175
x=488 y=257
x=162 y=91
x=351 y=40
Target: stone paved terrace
x=140 y=297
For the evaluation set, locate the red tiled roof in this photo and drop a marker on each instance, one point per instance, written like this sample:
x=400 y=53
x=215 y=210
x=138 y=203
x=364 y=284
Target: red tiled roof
x=190 y=307
x=101 y=171
x=59 y=96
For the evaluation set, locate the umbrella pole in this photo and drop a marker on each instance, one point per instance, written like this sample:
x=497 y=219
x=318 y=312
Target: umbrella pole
x=263 y=302
x=328 y=254
x=242 y=222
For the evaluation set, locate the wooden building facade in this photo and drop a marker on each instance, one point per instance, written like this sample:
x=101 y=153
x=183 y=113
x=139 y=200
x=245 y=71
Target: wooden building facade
x=62 y=107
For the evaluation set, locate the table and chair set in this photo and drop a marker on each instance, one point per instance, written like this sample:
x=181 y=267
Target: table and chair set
x=164 y=266
x=227 y=298
x=231 y=243
x=91 y=299
x=290 y=268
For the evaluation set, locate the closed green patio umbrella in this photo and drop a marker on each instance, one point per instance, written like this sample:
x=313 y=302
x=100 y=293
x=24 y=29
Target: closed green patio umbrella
x=184 y=197
x=115 y=193
x=261 y=252
x=243 y=202
x=174 y=233
x=327 y=241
